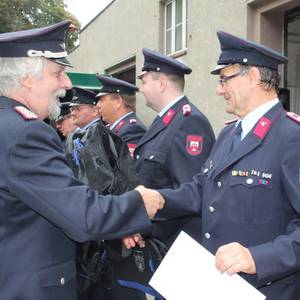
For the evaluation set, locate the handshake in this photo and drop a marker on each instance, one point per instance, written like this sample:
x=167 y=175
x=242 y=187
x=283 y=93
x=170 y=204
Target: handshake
x=153 y=200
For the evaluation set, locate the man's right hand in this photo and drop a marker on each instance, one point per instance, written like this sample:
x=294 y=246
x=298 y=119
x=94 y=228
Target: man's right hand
x=153 y=200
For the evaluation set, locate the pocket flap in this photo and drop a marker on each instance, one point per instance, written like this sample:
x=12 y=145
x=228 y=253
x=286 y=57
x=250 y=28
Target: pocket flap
x=251 y=182
x=57 y=275
x=155 y=156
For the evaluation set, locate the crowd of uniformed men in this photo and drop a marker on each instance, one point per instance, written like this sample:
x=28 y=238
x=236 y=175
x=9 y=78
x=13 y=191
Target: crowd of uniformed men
x=239 y=195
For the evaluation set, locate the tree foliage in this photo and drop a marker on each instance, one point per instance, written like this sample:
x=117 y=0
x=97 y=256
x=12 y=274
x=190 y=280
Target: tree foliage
x=26 y=14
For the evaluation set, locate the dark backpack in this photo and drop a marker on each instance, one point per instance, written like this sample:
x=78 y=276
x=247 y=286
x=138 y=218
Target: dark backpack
x=101 y=159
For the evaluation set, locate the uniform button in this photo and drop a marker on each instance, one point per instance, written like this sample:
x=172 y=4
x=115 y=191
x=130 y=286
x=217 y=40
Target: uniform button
x=249 y=181
x=205 y=170
x=211 y=209
x=219 y=184
x=207 y=235
x=151 y=157
x=269 y=283
x=137 y=157
x=62 y=281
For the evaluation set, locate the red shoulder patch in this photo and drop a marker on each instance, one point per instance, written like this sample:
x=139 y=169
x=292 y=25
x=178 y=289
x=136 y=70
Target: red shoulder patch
x=169 y=116
x=230 y=121
x=26 y=113
x=119 y=125
x=293 y=116
x=194 y=144
x=262 y=127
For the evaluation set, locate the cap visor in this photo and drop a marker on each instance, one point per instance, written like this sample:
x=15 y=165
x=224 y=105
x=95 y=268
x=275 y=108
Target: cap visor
x=217 y=69
x=140 y=76
x=101 y=94
x=74 y=104
x=62 y=61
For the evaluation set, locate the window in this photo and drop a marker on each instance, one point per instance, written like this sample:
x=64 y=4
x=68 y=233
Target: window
x=175 y=25
x=292 y=50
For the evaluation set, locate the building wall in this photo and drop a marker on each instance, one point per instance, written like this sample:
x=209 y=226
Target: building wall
x=126 y=26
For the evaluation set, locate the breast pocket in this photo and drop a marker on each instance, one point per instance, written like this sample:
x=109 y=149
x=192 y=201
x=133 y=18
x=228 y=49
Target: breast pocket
x=250 y=200
x=59 y=281
x=154 y=168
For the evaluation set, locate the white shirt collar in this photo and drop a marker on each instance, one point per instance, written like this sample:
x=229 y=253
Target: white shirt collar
x=111 y=127
x=252 y=118
x=164 y=110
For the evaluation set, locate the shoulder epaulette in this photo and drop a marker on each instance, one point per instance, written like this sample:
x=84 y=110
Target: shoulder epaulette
x=186 y=110
x=132 y=121
x=230 y=121
x=293 y=116
x=26 y=113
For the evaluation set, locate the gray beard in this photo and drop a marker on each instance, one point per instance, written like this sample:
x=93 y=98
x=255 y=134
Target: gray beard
x=54 y=110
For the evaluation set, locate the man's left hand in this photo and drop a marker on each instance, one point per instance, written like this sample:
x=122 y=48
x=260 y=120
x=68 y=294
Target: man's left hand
x=233 y=258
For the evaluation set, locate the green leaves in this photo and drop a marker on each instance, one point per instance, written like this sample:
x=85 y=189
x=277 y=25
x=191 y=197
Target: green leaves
x=25 y=14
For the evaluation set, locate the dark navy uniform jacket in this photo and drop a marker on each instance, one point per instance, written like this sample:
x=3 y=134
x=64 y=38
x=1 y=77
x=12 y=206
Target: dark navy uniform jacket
x=173 y=150
x=252 y=196
x=44 y=209
x=130 y=129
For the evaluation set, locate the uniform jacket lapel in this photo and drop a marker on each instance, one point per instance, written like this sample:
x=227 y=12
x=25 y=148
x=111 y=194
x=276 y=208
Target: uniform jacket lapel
x=158 y=125
x=249 y=143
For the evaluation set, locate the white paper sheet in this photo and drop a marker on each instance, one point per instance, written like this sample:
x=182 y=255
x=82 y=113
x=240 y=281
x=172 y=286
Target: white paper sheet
x=188 y=272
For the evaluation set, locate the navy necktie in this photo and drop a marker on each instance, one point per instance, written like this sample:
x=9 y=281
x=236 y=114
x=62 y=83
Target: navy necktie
x=237 y=135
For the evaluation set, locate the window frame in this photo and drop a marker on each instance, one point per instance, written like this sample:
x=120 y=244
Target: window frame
x=173 y=27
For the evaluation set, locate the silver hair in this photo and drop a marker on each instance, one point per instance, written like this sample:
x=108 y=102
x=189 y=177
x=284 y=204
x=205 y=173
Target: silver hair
x=14 y=69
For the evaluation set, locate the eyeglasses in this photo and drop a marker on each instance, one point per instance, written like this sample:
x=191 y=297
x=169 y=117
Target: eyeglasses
x=223 y=79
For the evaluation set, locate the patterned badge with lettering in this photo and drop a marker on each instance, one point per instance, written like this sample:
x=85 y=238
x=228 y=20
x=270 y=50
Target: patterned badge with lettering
x=194 y=144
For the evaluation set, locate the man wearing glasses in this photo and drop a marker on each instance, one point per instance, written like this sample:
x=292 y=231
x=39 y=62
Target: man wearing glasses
x=249 y=188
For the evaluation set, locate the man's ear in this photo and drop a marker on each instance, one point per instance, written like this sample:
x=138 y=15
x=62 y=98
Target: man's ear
x=163 y=83
x=254 y=76
x=119 y=101
x=27 y=82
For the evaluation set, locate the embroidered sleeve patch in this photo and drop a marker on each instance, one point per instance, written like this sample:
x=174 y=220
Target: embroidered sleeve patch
x=131 y=148
x=194 y=144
